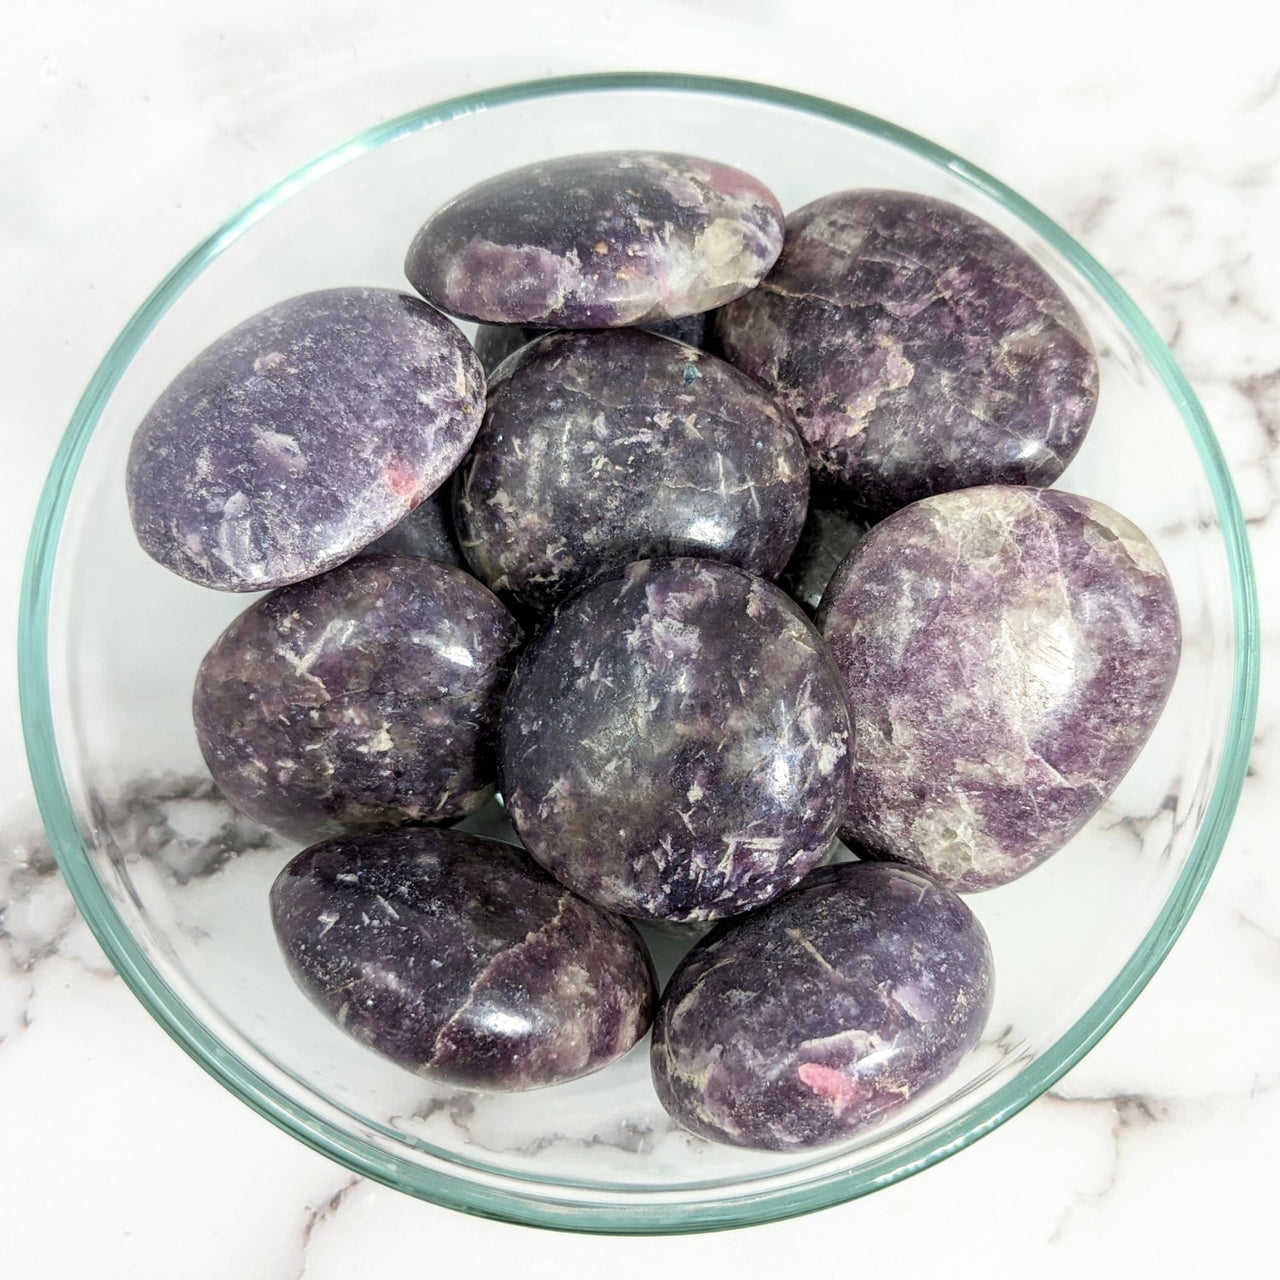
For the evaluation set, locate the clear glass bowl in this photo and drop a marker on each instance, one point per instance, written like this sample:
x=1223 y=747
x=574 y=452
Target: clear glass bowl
x=175 y=886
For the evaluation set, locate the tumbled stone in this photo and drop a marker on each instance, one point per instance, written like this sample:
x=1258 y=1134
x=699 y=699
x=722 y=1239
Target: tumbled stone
x=426 y=532
x=302 y=435
x=368 y=696
x=596 y=241
x=495 y=342
x=674 y=743
x=830 y=532
x=1007 y=652
x=598 y=449
x=918 y=348
x=459 y=959
x=824 y=1012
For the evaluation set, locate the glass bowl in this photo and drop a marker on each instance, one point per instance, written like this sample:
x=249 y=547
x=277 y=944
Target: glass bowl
x=174 y=884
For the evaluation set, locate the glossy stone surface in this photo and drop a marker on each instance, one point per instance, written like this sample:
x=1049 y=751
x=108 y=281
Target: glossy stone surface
x=426 y=532
x=918 y=348
x=674 y=743
x=301 y=436
x=598 y=449
x=597 y=241
x=1007 y=652
x=495 y=342
x=830 y=532
x=822 y=1013
x=459 y=959
x=368 y=696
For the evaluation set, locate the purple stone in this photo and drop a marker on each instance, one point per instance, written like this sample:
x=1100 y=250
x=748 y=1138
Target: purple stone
x=459 y=959
x=598 y=449
x=1007 y=652
x=823 y=1012
x=598 y=241
x=301 y=436
x=495 y=342
x=368 y=696
x=426 y=532
x=674 y=744
x=919 y=349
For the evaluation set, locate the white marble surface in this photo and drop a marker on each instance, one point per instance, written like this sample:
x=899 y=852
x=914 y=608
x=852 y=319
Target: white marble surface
x=1152 y=132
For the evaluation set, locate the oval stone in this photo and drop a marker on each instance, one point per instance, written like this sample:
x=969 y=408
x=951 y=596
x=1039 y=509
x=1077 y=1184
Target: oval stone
x=495 y=342
x=368 y=696
x=674 y=744
x=459 y=959
x=1007 y=652
x=301 y=436
x=426 y=532
x=596 y=241
x=824 y=1012
x=598 y=449
x=918 y=348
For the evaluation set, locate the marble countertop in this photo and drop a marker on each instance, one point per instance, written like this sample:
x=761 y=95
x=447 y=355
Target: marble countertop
x=1151 y=132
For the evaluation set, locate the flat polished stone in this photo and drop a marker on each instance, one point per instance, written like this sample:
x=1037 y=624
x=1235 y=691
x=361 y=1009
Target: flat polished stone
x=460 y=959
x=598 y=449
x=302 y=435
x=597 y=241
x=1007 y=652
x=918 y=348
x=675 y=743
x=368 y=696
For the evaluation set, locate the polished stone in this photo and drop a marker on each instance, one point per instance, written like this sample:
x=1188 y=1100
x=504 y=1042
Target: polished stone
x=675 y=743
x=460 y=959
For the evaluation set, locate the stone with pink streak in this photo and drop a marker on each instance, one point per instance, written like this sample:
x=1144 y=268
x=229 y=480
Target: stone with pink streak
x=302 y=435
x=820 y=1014
x=598 y=241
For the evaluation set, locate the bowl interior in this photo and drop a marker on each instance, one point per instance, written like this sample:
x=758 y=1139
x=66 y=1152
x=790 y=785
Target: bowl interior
x=176 y=884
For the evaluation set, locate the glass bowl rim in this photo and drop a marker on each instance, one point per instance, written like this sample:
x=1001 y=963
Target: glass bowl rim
x=525 y=1205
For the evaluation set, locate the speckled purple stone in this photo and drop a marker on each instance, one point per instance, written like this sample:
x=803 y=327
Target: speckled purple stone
x=919 y=349
x=1007 y=652
x=368 y=696
x=459 y=959
x=830 y=532
x=301 y=436
x=426 y=532
x=598 y=449
x=822 y=1013
x=674 y=744
x=597 y=241
x=495 y=342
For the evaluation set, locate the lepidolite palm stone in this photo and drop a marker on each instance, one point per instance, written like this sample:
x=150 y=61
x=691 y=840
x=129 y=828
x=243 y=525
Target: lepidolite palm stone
x=301 y=436
x=823 y=1012
x=675 y=743
x=597 y=241
x=368 y=696
x=598 y=449
x=918 y=348
x=1007 y=652
x=461 y=960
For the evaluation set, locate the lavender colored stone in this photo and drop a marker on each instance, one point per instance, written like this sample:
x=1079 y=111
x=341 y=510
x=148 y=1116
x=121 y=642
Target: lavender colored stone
x=459 y=959
x=495 y=342
x=598 y=449
x=426 y=532
x=919 y=349
x=830 y=532
x=674 y=744
x=1007 y=652
x=302 y=435
x=824 y=1012
x=597 y=241
x=368 y=696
